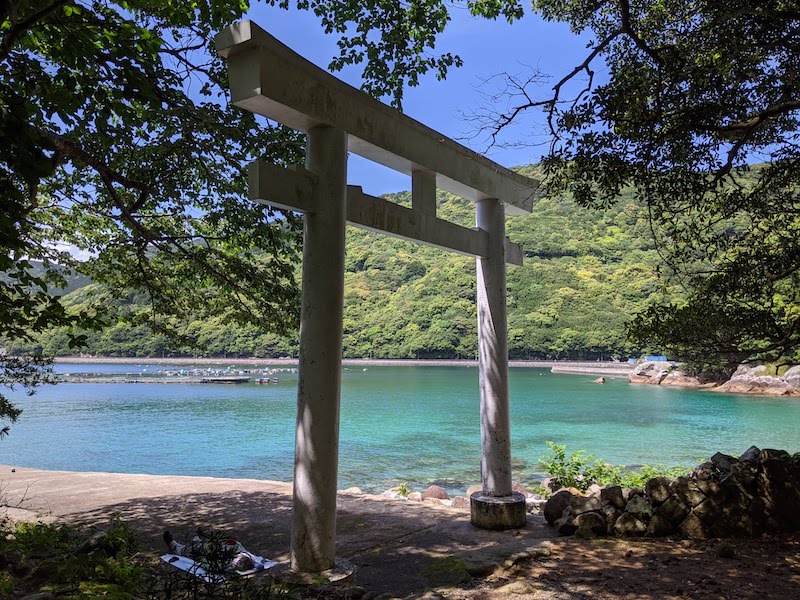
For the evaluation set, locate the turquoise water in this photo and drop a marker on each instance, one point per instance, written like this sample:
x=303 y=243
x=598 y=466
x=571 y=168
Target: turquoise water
x=413 y=424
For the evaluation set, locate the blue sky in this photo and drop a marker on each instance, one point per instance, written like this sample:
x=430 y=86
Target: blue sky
x=487 y=48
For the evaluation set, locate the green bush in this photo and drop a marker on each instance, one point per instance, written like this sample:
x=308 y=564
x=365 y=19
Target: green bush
x=580 y=470
x=66 y=562
x=566 y=471
x=39 y=538
x=403 y=489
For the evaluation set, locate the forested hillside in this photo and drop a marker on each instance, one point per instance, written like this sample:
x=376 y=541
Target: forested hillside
x=585 y=274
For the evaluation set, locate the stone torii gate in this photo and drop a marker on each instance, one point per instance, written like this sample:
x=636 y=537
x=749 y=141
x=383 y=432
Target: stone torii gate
x=269 y=79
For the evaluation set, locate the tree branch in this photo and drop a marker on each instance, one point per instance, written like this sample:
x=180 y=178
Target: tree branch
x=627 y=28
x=72 y=149
x=17 y=29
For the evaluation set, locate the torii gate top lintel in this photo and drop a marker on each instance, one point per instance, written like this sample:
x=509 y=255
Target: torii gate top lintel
x=272 y=80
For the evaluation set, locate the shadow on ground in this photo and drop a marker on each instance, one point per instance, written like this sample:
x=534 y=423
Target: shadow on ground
x=397 y=546
x=406 y=548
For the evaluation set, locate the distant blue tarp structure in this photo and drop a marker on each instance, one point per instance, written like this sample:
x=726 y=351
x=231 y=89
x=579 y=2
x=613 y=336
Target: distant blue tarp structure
x=658 y=358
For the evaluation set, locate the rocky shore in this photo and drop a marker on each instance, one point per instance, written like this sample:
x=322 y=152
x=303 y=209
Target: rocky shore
x=745 y=380
x=435 y=494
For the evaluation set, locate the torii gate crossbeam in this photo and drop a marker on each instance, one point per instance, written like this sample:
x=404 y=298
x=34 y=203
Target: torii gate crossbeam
x=269 y=79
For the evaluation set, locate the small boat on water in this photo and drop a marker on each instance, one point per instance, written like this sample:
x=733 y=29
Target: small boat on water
x=263 y=380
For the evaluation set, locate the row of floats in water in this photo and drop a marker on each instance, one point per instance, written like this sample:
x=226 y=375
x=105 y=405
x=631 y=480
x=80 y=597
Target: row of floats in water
x=242 y=378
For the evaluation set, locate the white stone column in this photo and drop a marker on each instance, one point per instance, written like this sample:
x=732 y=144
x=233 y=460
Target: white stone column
x=497 y=507
x=317 y=437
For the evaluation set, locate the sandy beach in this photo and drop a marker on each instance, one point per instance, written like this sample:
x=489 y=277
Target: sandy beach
x=393 y=543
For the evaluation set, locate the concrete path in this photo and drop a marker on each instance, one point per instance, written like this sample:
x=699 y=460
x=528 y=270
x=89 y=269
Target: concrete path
x=398 y=546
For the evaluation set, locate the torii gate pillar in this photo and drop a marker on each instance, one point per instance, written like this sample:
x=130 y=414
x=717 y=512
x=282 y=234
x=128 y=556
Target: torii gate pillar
x=317 y=435
x=496 y=506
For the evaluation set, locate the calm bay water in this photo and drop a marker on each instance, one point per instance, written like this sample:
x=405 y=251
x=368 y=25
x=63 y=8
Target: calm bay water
x=413 y=424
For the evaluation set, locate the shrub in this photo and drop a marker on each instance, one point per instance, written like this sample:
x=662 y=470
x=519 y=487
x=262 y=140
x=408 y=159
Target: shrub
x=580 y=470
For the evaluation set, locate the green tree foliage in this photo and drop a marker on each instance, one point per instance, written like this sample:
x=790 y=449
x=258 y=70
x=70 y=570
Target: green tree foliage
x=121 y=143
x=394 y=39
x=585 y=273
x=118 y=140
x=694 y=93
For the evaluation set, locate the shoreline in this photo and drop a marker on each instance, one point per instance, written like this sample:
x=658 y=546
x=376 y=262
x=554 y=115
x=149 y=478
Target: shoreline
x=365 y=362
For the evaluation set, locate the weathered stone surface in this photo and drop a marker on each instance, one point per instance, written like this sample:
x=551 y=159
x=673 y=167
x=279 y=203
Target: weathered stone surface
x=535 y=503
x=742 y=473
x=693 y=527
x=659 y=526
x=749 y=371
x=639 y=507
x=673 y=509
x=753 y=453
x=515 y=588
x=566 y=523
x=628 y=525
x=778 y=485
x=611 y=514
x=792 y=377
x=582 y=504
x=709 y=487
x=768 y=453
x=650 y=372
x=723 y=462
x=755 y=380
x=554 y=507
x=678 y=378
x=460 y=503
x=745 y=525
x=707 y=511
x=746 y=380
x=551 y=484
x=472 y=489
x=657 y=489
x=687 y=491
x=594 y=490
x=612 y=494
x=629 y=493
x=590 y=524
x=707 y=470
x=516 y=486
x=436 y=492
x=415 y=497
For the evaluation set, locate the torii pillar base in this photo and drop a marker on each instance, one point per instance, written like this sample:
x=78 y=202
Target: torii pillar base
x=498 y=513
x=343 y=572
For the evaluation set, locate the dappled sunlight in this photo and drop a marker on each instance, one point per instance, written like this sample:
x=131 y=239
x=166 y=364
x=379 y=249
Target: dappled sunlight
x=647 y=569
x=259 y=520
x=404 y=548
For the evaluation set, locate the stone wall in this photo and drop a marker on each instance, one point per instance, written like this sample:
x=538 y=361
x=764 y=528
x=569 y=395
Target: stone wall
x=756 y=493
